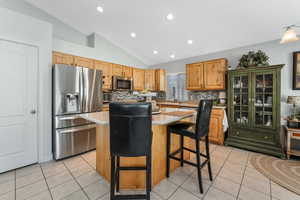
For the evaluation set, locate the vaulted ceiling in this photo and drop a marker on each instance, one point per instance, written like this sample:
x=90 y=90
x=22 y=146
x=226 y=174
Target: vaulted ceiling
x=213 y=25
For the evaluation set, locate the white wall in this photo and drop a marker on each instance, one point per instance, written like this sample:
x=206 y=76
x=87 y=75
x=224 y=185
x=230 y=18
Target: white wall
x=278 y=53
x=27 y=30
x=102 y=50
x=60 y=29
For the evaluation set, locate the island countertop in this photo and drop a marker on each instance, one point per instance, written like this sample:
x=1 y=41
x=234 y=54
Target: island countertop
x=164 y=118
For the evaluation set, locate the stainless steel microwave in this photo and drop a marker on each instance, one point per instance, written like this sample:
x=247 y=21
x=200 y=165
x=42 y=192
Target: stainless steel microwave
x=122 y=83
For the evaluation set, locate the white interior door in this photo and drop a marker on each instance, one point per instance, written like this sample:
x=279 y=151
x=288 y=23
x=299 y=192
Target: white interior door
x=18 y=105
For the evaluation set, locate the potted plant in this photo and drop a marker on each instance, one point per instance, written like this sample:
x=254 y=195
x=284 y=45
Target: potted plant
x=253 y=59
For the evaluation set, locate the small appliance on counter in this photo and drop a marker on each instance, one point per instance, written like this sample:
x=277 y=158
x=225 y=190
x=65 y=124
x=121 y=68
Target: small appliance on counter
x=76 y=90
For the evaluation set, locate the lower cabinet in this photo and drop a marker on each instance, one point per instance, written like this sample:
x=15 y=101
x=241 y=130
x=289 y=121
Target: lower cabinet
x=216 y=133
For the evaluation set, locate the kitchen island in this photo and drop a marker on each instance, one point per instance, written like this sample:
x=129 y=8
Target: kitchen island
x=136 y=179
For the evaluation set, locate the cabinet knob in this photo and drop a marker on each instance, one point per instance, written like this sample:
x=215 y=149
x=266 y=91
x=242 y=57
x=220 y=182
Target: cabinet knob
x=237 y=133
x=266 y=137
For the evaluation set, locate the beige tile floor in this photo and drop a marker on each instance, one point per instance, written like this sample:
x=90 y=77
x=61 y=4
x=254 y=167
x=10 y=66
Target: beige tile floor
x=76 y=179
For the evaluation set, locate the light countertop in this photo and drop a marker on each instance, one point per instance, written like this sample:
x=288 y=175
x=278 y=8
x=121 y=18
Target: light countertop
x=102 y=118
x=185 y=104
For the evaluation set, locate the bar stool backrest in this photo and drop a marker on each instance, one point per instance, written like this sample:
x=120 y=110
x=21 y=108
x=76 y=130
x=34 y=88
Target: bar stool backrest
x=130 y=129
x=203 y=118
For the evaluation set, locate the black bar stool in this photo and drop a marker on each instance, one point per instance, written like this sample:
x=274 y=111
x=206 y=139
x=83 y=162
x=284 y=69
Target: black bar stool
x=201 y=130
x=130 y=136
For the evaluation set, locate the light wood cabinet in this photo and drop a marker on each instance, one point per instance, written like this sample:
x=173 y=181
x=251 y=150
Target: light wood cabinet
x=216 y=134
x=208 y=75
x=107 y=74
x=121 y=70
x=83 y=62
x=214 y=74
x=61 y=58
x=160 y=80
x=194 y=76
x=117 y=70
x=127 y=71
x=138 y=79
x=150 y=79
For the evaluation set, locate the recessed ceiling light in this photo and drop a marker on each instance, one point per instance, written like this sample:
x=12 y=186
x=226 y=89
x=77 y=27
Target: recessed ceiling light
x=155 y=52
x=133 y=35
x=170 y=16
x=172 y=56
x=190 y=41
x=100 y=9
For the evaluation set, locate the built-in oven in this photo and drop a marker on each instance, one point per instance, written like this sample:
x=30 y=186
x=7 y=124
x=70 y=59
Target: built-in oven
x=122 y=83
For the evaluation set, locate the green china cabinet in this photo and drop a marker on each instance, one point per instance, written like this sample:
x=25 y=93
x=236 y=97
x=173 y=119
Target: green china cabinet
x=254 y=109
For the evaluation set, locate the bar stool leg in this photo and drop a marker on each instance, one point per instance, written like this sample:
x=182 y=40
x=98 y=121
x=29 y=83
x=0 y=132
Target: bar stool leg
x=199 y=166
x=182 y=151
x=112 y=179
x=168 y=153
x=148 y=176
x=208 y=158
x=118 y=174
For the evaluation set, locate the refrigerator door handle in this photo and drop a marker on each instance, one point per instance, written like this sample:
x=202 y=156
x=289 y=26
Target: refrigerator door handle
x=76 y=129
x=81 y=86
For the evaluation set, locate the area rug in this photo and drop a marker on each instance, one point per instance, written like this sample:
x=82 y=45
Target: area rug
x=283 y=172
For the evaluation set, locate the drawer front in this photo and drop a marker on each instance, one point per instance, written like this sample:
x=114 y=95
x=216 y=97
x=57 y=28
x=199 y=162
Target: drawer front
x=72 y=141
x=253 y=136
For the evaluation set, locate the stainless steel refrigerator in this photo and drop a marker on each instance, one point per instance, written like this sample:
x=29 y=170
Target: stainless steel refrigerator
x=76 y=90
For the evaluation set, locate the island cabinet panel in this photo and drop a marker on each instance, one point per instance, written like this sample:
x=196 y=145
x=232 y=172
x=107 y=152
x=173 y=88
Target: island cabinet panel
x=209 y=75
x=117 y=70
x=137 y=179
x=127 y=71
x=61 y=58
x=84 y=62
x=150 y=79
x=160 y=80
x=138 y=79
x=214 y=74
x=106 y=69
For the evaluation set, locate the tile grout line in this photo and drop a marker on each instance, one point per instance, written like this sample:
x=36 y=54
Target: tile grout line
x=271 y=197
x=217 y=173
x=46 y=182
x=238 y=194
x=88 y=162
x=205 y=193
x=81 y=188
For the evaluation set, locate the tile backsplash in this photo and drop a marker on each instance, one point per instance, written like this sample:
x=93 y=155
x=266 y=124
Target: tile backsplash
x=198 y=95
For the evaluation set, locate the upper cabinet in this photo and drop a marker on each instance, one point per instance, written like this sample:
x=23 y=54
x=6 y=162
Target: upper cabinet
x=61 y=58
x=214 y=74
x=127 y=71
x=121 y=70
x=107 y=73
x=138 y=79
x=209 y=75
x=117 y=70
x=150 y=79
x=160 y=80
x=194 y=76
x=83 y=62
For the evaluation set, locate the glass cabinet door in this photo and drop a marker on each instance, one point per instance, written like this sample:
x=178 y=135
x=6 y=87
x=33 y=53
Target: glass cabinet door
x=264 y=89
x=240 y=97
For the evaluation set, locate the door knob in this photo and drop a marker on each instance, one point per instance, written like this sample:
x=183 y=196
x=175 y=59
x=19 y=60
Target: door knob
x=33 y=112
